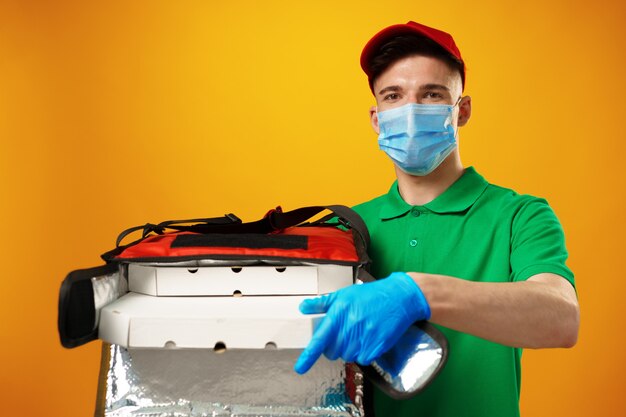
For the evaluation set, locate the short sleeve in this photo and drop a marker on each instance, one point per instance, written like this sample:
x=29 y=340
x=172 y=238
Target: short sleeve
x=538 y=243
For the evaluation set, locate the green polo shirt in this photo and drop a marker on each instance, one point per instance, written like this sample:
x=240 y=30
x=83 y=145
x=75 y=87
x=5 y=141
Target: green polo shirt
x=474 y=231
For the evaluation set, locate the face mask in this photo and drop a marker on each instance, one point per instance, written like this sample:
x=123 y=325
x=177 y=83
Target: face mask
x=417 y=137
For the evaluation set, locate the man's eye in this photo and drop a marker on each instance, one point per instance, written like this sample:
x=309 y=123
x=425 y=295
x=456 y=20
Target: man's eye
x=433 y=96
x=392 y=96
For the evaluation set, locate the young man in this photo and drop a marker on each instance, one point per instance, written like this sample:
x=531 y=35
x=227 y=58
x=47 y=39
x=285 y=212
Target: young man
x=485 y=264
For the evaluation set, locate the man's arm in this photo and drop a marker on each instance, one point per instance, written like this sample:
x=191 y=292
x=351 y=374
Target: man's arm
x=541 y=312
x=363 y=321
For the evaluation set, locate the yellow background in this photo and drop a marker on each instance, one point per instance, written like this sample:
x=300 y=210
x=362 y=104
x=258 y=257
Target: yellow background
x=119 y=113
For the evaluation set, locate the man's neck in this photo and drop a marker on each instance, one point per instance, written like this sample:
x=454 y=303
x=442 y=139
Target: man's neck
x=418 y=191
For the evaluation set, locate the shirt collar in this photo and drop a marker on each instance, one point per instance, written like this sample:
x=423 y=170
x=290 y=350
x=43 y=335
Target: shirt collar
x=457 y=198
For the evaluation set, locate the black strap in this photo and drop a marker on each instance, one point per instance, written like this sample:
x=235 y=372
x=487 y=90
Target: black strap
x=274 y=220
x=148 y=228
x=227 y=219
x=345 y=215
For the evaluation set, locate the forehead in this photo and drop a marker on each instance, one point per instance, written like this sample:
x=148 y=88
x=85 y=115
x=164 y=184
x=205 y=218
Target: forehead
x=417 y=70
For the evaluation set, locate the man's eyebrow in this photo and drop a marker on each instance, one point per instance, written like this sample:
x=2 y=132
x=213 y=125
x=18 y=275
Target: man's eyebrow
x=434 y=87
x=390 y=88
x=396 y=88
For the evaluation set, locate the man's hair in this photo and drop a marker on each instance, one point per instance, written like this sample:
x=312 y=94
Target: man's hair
x=408 y=45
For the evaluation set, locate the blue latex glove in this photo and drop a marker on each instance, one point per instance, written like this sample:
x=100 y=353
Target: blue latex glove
x=363 y=321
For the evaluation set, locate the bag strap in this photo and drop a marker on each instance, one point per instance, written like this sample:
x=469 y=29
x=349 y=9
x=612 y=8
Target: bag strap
x=273 y=220
x=345 y=215
x=176 y=225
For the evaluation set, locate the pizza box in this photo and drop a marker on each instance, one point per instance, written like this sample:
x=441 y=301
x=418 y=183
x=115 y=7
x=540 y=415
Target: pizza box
x=144 y=321
x=238 y=280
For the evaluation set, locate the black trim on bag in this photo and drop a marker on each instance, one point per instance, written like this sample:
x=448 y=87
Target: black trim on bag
x=244 y=240
x=77 y=311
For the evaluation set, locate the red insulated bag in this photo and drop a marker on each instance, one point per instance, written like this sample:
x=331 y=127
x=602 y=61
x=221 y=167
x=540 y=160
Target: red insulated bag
x=279 y=238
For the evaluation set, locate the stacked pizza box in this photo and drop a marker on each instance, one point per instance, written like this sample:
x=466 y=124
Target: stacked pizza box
x=218 y=307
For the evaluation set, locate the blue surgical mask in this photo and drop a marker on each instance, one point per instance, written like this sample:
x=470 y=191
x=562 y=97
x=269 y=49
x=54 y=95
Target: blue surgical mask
x=417 y=137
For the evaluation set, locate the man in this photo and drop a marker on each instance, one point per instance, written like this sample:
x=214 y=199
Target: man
x=483 y=263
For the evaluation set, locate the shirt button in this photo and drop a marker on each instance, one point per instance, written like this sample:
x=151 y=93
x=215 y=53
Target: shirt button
x=413 y=243
x=415 y=212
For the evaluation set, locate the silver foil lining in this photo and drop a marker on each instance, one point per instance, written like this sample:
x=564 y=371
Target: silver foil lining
x=106 y=289
x=242 y=383
x=410 y=364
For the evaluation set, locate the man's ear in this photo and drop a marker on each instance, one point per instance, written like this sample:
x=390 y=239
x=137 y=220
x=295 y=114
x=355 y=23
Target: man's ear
x=374 y=119
x=465 y=110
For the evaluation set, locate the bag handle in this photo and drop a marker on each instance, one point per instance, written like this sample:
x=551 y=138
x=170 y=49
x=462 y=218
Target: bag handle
x=274 y=220
x=176 y=225
x=346 y=216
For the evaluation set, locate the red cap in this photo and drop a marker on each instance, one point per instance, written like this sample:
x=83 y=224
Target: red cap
x=443 y=39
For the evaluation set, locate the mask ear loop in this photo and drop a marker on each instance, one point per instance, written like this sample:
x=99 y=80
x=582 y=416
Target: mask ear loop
x=456 y=132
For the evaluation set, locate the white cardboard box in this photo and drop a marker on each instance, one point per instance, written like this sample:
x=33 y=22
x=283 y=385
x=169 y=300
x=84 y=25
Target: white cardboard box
x=245 y=280
x=138 y=320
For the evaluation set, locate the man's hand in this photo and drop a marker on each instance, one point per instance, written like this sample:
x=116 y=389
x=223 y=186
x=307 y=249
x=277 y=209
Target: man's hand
x=363 y=321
